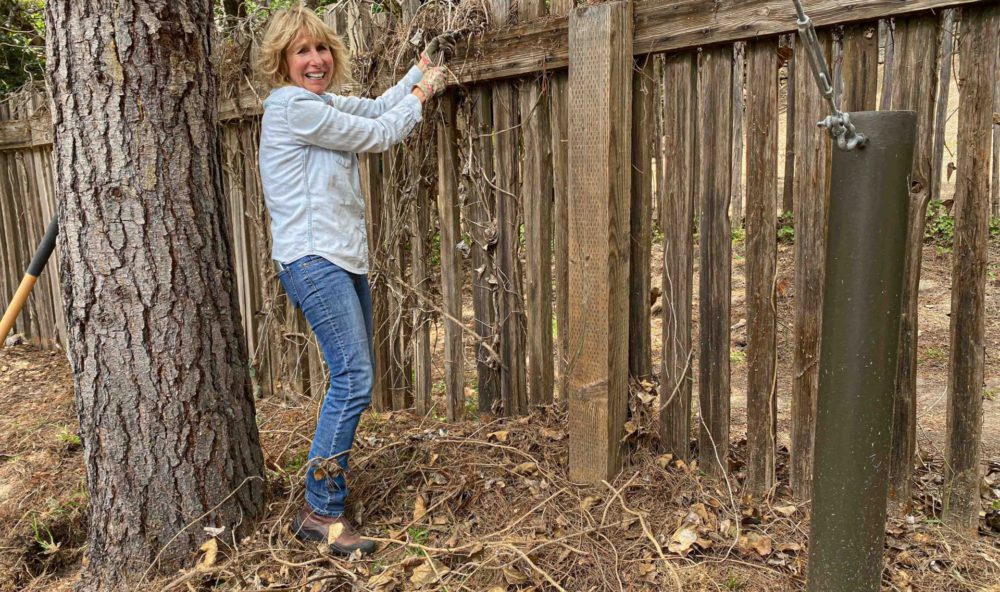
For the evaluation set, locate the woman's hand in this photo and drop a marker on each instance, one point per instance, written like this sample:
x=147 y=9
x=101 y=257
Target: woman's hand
x=435 y=51
x=434 y=82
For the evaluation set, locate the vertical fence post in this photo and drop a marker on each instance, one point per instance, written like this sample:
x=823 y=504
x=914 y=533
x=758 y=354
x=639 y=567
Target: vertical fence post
x=558 y=119
x=811 y=188
x=643 y=145
x=761 y=262
x=359 y=24
x=995 y=175
x=864 y=264
x=966 y=365
x=860 y=67
x=680 y=140
x=511 y=321
x=537 y=195
x=420 y=230
x=394 y=165
x=715 y=76
x=371 y=183
x=916 y=47
x=887 y=41
x=451 y=265
x=479 y=209
x=600 y=60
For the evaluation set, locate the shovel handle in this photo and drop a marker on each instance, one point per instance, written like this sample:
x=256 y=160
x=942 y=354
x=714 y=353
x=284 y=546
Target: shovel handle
x=35 y=268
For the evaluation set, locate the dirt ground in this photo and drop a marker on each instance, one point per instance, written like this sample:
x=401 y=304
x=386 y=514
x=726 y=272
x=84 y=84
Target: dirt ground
x=487 y=505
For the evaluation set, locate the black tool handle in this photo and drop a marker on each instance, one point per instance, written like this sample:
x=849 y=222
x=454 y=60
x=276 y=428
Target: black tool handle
x=44 y=248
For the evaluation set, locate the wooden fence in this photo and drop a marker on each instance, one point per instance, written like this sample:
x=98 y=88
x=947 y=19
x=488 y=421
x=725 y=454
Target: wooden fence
x=536 y=193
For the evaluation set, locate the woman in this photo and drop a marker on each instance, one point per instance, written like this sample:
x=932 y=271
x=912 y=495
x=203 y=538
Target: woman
x=312 y=189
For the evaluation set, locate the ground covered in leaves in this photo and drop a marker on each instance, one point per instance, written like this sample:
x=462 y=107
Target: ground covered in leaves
x=471 y=506
x=486 y=505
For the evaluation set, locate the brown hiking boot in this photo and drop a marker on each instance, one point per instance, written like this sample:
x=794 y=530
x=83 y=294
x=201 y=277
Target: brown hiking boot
x=310 y=526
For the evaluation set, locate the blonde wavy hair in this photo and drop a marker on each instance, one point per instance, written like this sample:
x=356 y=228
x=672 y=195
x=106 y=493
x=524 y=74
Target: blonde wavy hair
x=282 y=28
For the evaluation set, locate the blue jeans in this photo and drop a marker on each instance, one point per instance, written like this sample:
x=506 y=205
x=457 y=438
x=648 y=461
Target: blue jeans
x=338 y=306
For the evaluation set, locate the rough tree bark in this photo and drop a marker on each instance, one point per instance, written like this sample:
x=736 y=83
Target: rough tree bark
x=155 y=341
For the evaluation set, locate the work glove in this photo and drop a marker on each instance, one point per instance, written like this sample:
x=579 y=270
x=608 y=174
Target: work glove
x=433 y=83
x=434 y=53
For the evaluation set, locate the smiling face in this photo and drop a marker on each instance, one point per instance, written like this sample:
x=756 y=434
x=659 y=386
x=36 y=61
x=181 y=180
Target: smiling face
x=310 y=63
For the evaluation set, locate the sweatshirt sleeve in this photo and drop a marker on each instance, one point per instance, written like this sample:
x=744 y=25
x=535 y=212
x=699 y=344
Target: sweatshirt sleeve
x=373 y=108
x=314 y=122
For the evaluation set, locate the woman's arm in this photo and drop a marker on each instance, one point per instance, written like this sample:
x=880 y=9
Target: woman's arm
x=373 y=108
x=314 y=122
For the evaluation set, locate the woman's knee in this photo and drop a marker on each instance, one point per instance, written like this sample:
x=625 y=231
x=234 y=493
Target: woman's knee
x=365 y=382
x=360 y=378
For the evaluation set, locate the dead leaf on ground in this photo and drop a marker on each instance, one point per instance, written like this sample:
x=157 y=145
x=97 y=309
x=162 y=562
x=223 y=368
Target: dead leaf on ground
x=682 y=540
x=428 y=573
x=385 y=581
x=759 y=543
x=526 y=468
x=701 y=511
x=498 y=436
x=647 y=572
x=211 y=549
x=589 y=502
x=554 y=435
x=785 y=511
x=514 y=576
x=419 y=508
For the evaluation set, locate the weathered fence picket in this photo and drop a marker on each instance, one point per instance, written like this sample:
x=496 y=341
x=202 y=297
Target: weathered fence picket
x=715 y=73
x=811 y=186
x=966 y=366
x=761 y=262
x=859 y=66
x=640 y=219
x=558 y=120
x=536 y=194
x=677 y=198
x=451 y=264
x=480 y=205
x=916 y=42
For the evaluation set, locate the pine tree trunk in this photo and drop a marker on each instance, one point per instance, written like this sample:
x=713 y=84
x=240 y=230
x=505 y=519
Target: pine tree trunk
x=163 y=395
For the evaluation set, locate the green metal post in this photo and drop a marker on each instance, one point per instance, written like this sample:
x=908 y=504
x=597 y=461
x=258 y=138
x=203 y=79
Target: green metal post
x=866 y=240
